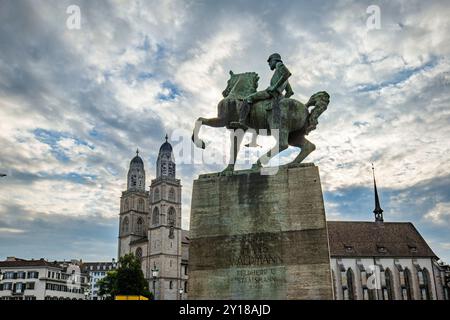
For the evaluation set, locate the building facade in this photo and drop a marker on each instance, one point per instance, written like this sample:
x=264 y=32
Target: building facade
x=150 y=226
x=383 y=261
x=22 y=279
x=97 y=271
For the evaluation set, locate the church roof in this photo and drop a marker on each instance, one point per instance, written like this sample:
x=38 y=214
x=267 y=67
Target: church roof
x=166 y=146
x=376 y=239
x=137 y=160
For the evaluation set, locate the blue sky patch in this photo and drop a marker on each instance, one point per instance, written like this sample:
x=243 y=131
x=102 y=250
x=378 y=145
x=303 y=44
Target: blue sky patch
x=173 y=91
x=397 y=78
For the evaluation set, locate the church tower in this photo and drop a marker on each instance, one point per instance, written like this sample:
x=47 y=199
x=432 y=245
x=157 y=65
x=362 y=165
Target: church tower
x=134 y=207
x=164 y=233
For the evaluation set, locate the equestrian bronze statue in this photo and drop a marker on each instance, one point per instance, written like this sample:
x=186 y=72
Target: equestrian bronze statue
x=245 y=108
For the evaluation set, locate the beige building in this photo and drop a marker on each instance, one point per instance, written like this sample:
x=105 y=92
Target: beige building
x=22 y=279
x=150 y=226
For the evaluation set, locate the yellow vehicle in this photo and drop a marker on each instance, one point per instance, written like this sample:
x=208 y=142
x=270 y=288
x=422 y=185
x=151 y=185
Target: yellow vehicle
x=130 y=298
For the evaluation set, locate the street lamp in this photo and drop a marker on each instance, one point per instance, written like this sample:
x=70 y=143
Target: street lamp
x=181 y=293
x=155 y=273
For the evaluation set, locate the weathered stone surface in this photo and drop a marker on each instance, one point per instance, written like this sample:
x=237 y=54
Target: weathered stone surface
x=259 y=237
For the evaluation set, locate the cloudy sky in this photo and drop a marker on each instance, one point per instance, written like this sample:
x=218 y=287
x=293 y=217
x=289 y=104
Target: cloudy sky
x=75 y=105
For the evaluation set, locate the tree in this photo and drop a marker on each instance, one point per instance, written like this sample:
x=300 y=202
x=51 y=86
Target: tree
x=128 y=279
x=108 y=285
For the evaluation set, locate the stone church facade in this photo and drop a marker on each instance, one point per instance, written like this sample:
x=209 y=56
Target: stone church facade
x=150 y=225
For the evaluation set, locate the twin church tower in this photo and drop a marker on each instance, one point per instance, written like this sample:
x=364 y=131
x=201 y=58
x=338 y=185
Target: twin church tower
x=150 y=225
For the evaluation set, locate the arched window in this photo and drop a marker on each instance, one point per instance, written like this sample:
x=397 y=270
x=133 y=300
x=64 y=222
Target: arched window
x=171 y=285
x=185 y=287
x=156 y=195
x=387 y=289
x=350 y=284
x=125 y=225
x=139 y=253
x=172 y=194
x=407 y=293
x=141 y=204
x=126 y=205
x=139 y=226
x=155 y=215
x=171 y=217
x=424 y=283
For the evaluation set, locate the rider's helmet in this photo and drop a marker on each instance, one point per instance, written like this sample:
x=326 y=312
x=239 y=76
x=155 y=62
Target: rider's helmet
x=275 y=56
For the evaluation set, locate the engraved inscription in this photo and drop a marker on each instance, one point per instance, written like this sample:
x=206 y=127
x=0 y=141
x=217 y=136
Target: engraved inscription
x=258 y=278
x=257 y=250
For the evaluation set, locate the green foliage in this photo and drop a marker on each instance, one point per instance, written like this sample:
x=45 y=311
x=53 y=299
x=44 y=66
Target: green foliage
x=108 y=285
x=128 y=279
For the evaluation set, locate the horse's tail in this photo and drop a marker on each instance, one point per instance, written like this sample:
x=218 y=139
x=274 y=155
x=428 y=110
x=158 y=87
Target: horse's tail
x=320 y=101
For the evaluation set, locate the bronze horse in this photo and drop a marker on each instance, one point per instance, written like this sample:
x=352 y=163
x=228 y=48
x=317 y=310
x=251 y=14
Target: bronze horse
x=293 y=122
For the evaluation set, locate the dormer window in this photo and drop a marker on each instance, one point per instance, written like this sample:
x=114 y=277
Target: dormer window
x=348 y=248
x=381 y=249
x=412 y=248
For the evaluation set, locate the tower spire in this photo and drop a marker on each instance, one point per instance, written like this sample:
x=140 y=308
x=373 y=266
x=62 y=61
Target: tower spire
x=377 y=211
x=167 y=137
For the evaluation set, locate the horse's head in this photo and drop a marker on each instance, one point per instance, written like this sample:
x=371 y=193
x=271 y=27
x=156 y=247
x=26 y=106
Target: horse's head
x=230 y=84
x=241 y=84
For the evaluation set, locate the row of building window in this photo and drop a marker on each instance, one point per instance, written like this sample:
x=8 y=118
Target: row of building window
x=63 y=288
x=21 y=275
x=157 y=195
x=64 y=276
x=60 y=298
x=171 y=219
x=17 y=287
x=140 y=205
x=19 y=298
x=185 y=286
x=171 y=216
x=385 y=289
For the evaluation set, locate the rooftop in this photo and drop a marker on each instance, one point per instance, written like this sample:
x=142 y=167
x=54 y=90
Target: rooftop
x=376 y=239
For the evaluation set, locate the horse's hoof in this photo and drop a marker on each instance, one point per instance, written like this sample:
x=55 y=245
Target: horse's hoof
x=251 y=145
x=257 y=166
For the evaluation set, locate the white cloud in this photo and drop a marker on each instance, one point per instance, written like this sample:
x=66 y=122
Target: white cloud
x=440 y=214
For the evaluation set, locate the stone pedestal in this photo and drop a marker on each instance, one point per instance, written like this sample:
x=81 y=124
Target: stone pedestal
x=255 y=236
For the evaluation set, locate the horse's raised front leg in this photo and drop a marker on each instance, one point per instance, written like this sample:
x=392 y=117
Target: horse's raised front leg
x=212 y=122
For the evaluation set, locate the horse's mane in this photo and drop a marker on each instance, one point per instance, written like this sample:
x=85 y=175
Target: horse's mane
x=241 y=85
